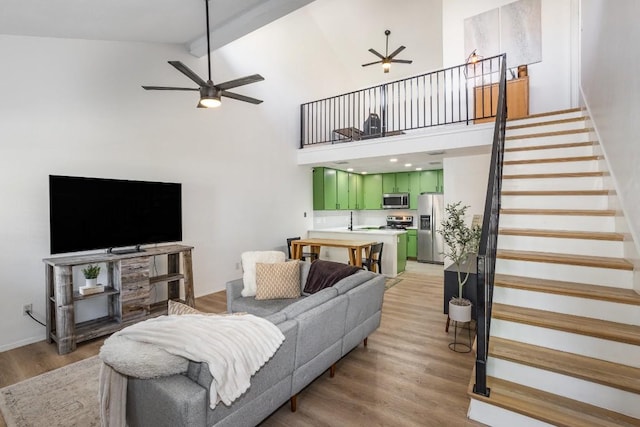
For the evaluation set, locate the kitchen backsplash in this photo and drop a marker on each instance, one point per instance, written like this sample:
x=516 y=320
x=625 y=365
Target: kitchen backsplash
x=331 y=219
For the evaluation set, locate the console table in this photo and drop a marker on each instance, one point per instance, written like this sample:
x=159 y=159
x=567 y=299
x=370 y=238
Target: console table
x=486 y=100
x=128 y=292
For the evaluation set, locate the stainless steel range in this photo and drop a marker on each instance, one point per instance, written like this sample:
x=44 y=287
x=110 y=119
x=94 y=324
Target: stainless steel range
x=398 y=222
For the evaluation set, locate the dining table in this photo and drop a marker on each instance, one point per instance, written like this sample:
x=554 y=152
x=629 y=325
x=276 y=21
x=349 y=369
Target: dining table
x=355 y=248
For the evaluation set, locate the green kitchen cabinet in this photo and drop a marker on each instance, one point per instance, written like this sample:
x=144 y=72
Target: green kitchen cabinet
x=342 y=190
x=388 y=182
x=414 y=189
x=429 y=181
x=441 y=181
x=330 y=189
x=372 y=185
x=395 y=182
x=356 y=191
x=402 y=252
x=412 y=244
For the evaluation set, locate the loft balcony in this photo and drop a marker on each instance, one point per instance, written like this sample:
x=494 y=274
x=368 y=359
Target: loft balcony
x=464 y=94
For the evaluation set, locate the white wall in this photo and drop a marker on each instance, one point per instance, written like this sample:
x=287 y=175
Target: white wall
x=465 y=180
x=552 y=82
x=610 y=86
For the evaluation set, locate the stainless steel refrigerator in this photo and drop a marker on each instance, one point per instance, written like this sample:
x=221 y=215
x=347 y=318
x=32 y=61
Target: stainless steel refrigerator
x=430 y=214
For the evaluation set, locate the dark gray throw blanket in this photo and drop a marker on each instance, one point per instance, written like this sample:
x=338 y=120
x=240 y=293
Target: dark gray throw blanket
x=324 y=274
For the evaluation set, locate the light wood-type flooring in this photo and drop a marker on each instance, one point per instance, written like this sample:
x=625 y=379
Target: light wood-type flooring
x=406 y=376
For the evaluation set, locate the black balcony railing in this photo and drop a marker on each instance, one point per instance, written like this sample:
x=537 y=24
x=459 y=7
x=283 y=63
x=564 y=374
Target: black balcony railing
x=457 y=94
x=489 y=240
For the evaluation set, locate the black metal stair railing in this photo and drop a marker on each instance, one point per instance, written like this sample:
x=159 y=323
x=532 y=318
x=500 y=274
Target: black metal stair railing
x=488 y=243
x=457 y=94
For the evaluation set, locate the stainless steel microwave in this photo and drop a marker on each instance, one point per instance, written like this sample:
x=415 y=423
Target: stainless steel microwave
x=395 y=201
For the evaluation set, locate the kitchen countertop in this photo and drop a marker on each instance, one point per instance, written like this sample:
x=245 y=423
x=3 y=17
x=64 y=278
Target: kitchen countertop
x=362 y=229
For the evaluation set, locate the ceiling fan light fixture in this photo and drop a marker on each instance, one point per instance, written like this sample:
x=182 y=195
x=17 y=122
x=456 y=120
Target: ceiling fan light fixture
x=210 y=102
x=209 y=97
x=386 y=66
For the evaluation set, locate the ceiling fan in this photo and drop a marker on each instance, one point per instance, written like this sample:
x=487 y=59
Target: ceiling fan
x=210 y=93
x=388 y=59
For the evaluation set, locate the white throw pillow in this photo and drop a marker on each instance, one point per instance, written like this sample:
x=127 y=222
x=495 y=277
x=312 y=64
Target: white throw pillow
x=249 y=260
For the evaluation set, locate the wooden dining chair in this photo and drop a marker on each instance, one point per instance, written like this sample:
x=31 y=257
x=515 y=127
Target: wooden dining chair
x=374 y=261
x=312 y=256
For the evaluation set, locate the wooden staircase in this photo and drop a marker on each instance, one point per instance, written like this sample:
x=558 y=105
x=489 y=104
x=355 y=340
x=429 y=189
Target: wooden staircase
x=565 y=330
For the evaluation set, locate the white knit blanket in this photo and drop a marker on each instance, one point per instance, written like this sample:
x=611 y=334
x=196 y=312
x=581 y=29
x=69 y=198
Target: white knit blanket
x=234 y=348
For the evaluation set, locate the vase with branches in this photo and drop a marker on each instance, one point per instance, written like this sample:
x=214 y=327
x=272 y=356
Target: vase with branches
x=461 y=241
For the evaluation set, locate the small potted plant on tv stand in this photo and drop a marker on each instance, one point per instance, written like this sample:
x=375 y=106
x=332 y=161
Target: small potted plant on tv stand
x=461 y=242
x=91 y=286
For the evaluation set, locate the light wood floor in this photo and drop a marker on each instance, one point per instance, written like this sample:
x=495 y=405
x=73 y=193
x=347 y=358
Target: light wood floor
x=407 y=376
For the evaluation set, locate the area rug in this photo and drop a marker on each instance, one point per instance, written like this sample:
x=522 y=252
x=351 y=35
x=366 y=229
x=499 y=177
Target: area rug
x=67 y=396
x=389 y=283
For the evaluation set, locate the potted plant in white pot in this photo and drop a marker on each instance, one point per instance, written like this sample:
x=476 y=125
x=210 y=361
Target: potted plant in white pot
x=461 y=241
x=91 y=273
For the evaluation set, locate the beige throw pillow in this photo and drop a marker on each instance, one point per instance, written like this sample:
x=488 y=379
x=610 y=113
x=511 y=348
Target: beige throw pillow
x=249 y=260
x=178 y=308
x=278 y=280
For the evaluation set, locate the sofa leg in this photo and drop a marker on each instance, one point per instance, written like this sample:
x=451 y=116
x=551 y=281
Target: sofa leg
x=332 y=371
x=294 y=403
x=365 y=341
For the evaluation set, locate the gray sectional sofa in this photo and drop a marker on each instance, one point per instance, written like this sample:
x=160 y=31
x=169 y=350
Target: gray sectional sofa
x=319 y=329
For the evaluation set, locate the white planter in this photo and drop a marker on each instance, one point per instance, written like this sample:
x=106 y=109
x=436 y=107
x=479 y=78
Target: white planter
x=90 y=282
x=460 y=313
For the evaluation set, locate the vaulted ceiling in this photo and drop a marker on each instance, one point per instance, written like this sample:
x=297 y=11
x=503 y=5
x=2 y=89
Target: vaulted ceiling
x=158 y=21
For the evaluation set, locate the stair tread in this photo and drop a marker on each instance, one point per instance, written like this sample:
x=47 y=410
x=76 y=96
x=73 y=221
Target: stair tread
x=610 y=374
x=545 y=134
x=558 y=258
x=550 y=408
x=548 y=114
x=554 y=160
x=580 y=290
x=569 y=212
x=548 y=123
x=551 y=146
x=604 y=329
x=564 y=234
x=558 y=192
x=555 y=175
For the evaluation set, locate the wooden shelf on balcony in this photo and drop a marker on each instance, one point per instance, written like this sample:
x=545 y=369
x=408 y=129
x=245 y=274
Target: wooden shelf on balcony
x=486 y=100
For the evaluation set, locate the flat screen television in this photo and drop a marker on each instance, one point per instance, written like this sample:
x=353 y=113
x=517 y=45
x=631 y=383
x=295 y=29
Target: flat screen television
x=98 y=213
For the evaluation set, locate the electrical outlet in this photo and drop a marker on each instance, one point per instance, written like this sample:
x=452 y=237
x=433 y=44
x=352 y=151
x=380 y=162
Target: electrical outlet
x=26 y=309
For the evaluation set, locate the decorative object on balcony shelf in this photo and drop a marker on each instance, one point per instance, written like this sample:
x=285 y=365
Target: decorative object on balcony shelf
x=461 y=241
x=211 y=94
x=522 y=71
x=387 y=59
x=91 y=286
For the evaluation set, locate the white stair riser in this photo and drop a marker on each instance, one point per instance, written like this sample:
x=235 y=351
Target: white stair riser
x=578 y=183
x=559 y=222
x=553 y=167
x=549 y=153
x=612 y=351
x=567 y=273
x=554 y=202
x=595 y=394
x=543 y=128
x=583 y=307
x=542 y=119
x=495 y=416
x=519 y=141
x=588 y=247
